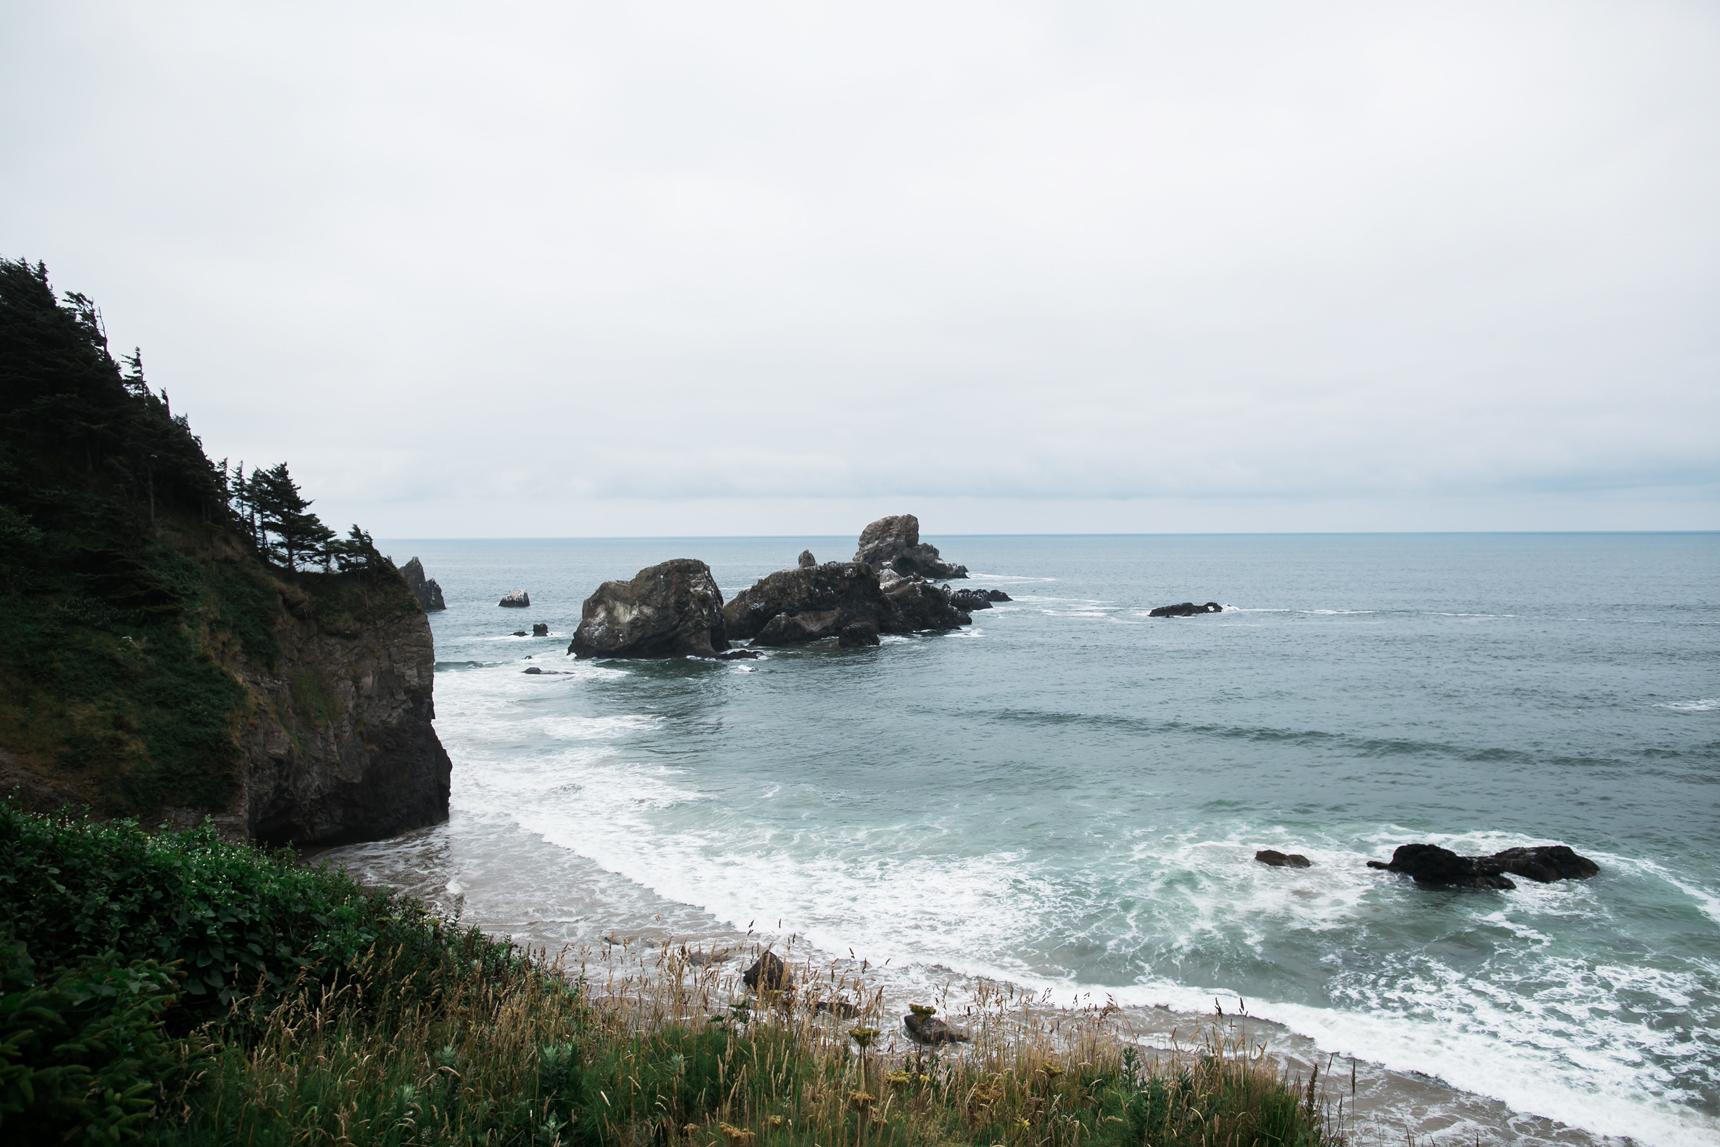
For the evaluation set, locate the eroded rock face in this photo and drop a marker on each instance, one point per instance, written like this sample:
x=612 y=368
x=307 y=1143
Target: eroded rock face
x=1433 y=865
x=791 y=607
x=428 y=593
x=339 y=746
x=894 y=543
x=672 y=609
x=1186 y=609
x=858 y=634
x=807 y=561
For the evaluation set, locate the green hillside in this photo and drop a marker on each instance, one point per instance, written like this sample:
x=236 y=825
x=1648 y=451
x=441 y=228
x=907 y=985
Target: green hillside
x=140 y=581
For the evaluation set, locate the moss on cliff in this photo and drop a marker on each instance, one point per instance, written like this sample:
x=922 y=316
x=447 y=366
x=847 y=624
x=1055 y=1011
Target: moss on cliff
x=137 y=611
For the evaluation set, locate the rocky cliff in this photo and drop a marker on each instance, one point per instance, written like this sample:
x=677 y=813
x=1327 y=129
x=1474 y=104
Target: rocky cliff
x=164 y=650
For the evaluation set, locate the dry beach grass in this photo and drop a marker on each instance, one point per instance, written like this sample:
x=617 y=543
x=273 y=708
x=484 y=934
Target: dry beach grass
x=633 y=1045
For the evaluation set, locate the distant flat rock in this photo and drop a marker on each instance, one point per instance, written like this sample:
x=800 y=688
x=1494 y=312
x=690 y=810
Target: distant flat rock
x=519 y=599
x=1185 y=609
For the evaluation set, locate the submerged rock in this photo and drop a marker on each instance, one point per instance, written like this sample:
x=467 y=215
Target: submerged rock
x=428 y=593
x=519 y=599
x=541 y=629
x=1185 y=609
x=768 y=974
x=1433 y=865
x=807 y=561
x=1276 y=859
x=894 y=543
x=740 y=655
x=668 y=610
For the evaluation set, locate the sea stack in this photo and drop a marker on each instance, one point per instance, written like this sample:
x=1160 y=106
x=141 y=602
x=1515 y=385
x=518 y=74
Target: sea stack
x=428 y=593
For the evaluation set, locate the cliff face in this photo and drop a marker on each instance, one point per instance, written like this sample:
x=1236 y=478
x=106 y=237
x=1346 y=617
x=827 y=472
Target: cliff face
x=176 y=639
x=339 y=745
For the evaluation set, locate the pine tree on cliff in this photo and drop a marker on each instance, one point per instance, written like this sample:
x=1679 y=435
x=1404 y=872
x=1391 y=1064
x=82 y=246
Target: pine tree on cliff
x=282 y=512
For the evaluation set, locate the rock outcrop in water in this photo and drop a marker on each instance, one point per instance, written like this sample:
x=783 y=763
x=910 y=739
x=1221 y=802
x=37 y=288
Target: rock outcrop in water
x=1432 y=865
x=519 y=599
x=768 y=974
x=968 y=600
x=672 y=609
x=919 y=604
x=807 y=561
x=428 y=593
x=541 y=629
x=894 y=543
x=1272 y=858
x=1185 y=609
x=791 y=607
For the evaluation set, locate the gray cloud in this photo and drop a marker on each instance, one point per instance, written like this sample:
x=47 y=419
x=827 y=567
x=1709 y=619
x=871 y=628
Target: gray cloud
x=634 y=269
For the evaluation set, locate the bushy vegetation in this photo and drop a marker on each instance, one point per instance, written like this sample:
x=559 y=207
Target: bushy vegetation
x=175 y=989
x=135 y=573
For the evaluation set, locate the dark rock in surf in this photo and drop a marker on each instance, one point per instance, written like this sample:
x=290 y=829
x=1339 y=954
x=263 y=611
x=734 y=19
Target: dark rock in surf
x=919 y=605
x=768 y=974
x=1185 y=609
x=791 y=607
x=1276 y=859
x=517 y=633
x=858 y=634
x=807 y=561
x=541 y=629
x=841 y=1009
x=1440 y=867
x=968 y=600
x=534 y=669
x=740 y=655
x=931 y=1030
x=672 y=609
x=994 y=594
x=894 y=543
x=519 y=599
x=428 y=593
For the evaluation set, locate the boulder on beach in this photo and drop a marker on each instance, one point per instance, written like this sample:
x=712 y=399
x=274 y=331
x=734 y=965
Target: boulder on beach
x=1276 y=859
x=807 y=561
x=428 y=593
x=519 y=599
x=1185 y=609
x=541 y=629
x=929 y=1029
x=894 y=543
x=1440 y=867
x=671 y=609
x=768 y=974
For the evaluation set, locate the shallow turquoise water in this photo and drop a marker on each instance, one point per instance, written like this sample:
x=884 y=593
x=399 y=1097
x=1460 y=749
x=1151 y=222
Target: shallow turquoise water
x=1069 y=794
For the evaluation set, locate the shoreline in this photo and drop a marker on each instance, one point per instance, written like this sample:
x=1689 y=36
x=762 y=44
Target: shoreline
x=1389 y=1104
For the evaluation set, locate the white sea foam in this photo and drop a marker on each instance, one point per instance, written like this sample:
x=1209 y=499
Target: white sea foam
x=1703 y=705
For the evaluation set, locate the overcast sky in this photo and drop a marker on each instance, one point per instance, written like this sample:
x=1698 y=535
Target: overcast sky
x=562 y=269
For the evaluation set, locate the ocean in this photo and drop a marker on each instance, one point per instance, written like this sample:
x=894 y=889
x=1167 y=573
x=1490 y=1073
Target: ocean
x=1068 y=796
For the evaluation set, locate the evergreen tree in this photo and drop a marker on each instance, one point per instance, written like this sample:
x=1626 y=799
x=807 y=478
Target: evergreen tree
x=283 y=512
